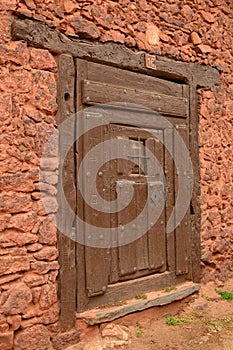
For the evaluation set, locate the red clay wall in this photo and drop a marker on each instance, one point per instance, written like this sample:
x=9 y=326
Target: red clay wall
x=192 y=31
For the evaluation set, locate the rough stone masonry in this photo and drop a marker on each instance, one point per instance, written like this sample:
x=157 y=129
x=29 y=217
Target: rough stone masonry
x=198 y=31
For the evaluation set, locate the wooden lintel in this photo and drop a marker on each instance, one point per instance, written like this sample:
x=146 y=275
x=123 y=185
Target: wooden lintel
x=39 y=34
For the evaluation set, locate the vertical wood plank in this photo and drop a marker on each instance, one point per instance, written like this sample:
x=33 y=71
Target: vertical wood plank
x=127 y=253
x=97 y=260
x=81 y=73
x=156 y=234
x=141 y=244
x=169 y=173
x=183 y=228
x=67 y=276
x=195 y=214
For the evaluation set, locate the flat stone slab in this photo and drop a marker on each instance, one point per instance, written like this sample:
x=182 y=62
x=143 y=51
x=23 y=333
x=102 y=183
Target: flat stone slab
x=158 y=298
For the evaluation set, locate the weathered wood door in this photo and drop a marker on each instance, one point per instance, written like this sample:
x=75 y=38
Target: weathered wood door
x=130 y=251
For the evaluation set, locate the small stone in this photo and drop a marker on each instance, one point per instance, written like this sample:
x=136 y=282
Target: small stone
x=48 y=296
x=12 y=264
x=115 y=335
x=33 y=338
x=16 y=299
x=152 y=35
x=30 y=4
x=187 y=12
x=46 y=253
x=164 y=37
x=62 y=340
x=14 y=321
x=196 y=40
x=113 y=35
x=34 y=247
x=48 y=232
x=204 y=48
x=44 y=91
x=6 y=340
x=85 y=29
x=34 y=280
x=43 y=59
x=208 y=17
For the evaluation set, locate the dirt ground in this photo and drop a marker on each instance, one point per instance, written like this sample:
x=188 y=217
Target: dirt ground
x=202 y=321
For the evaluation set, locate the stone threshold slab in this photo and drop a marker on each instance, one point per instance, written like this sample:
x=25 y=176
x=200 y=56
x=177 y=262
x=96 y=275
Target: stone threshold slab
x=158 y=298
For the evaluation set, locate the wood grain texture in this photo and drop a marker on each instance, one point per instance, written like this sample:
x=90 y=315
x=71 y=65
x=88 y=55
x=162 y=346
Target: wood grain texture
x=101 y=93
x=42 y=35
x=153 y=299
x=66 y=246
x=128 y=289
x=195 y=210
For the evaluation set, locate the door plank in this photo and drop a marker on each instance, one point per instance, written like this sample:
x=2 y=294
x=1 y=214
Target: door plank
x=97 y=259
x=183 y=228
x=123 y=78
x=66 y=245
x=81 y=73
x=169 y=172
x=100 y=93
x=127 y=253
x=156 y=234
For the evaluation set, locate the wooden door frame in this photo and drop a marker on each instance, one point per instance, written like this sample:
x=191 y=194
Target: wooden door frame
x=38 y=34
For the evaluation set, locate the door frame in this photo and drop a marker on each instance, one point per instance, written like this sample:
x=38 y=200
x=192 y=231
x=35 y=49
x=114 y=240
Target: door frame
x=39 y=34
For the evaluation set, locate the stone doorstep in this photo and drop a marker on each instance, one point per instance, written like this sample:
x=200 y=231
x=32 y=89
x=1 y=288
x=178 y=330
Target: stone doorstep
x=158 y=298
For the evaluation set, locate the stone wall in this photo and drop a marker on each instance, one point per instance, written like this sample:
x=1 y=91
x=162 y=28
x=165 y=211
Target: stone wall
x=193 y=31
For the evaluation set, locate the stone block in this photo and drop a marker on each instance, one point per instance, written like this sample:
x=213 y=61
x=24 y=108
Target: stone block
x=33 y=338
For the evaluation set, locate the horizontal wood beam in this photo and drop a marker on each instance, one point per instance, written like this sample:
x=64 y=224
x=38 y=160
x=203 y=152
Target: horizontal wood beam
x=39 y=34
x=101 y=93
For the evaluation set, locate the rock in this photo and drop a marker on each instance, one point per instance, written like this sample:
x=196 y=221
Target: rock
x=14 y=321
x=50 y=164
x=85 y=29
x=16 y=299
x=5 y=106
x=33 y=338
x=48 y=232
x=62 y=340
x=4 y=327
x=47 y=205
x=204 y=48
x=115 y=335
x=164 y=37
x=9 y=264
x=113 y=35
x=44 y=91
x=47 y=188
x=187 y=12
x=152 y=35
x=6 y=340
x=51 y=315
x=34 y=280
x=42 y=267
x=69 y=6
x=15 y=236
x=196 y=40
x=208 y=17
x=9 y=278
x=17 y=182
x=15 y=203
x=129 y=41
x=34 y=247
x=46 y=253
x=43 y=60
x=23 y=222
x=48 y=296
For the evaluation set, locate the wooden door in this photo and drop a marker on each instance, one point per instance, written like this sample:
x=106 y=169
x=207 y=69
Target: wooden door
x=136 y=255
